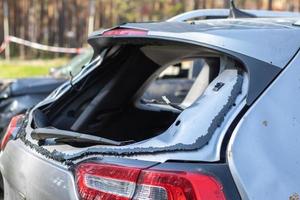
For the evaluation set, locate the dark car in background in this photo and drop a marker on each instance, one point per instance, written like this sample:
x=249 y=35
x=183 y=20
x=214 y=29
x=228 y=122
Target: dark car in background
x=22 y=94
x=18 y=95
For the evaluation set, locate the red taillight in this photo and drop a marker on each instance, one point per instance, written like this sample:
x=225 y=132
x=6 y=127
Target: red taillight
x=180 y=185
x=125 y=32
x=102 y=181
x=10 y=129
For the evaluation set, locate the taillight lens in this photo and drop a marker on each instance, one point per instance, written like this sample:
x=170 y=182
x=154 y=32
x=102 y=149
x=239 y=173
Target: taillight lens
x=12 y=127
x=178 y=186
x=102 y=181
x=125 y=32
x=105 y=182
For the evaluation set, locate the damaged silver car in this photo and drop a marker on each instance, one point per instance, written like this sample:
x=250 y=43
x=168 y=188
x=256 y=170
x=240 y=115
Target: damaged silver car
x=100 y=137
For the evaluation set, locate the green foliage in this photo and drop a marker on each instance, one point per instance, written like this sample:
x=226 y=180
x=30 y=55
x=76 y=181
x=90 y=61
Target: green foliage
x=21 y=68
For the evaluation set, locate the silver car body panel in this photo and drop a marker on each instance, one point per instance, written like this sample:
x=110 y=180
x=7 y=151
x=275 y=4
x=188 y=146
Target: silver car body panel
x=263 y=152
x=28 y=174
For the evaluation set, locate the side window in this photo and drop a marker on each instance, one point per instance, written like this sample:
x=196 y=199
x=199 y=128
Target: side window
x=174 y=83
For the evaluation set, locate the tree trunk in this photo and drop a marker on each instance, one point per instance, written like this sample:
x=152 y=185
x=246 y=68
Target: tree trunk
x=203 y=4
x=243 y=3
x=61 y=22
x=22 y=31
x=183 y=3
x=226 y=3
x=101 y=14
x=91 y=16
x=111 y=10
x=270 y=4
x=6 y=28
x=31 y=26
x=212 y=4
x=196 y=4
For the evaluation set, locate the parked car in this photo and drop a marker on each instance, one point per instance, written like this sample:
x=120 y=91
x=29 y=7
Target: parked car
x=233 y=136
x=19 y=95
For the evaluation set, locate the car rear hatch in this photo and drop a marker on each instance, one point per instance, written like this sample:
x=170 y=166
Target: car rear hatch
x=189 y=132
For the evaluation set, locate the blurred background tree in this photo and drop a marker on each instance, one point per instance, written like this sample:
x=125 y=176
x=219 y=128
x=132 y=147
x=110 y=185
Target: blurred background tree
x=66 y=23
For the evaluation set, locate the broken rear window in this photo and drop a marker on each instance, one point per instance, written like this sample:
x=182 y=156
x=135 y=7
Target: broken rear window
x=177 y=95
